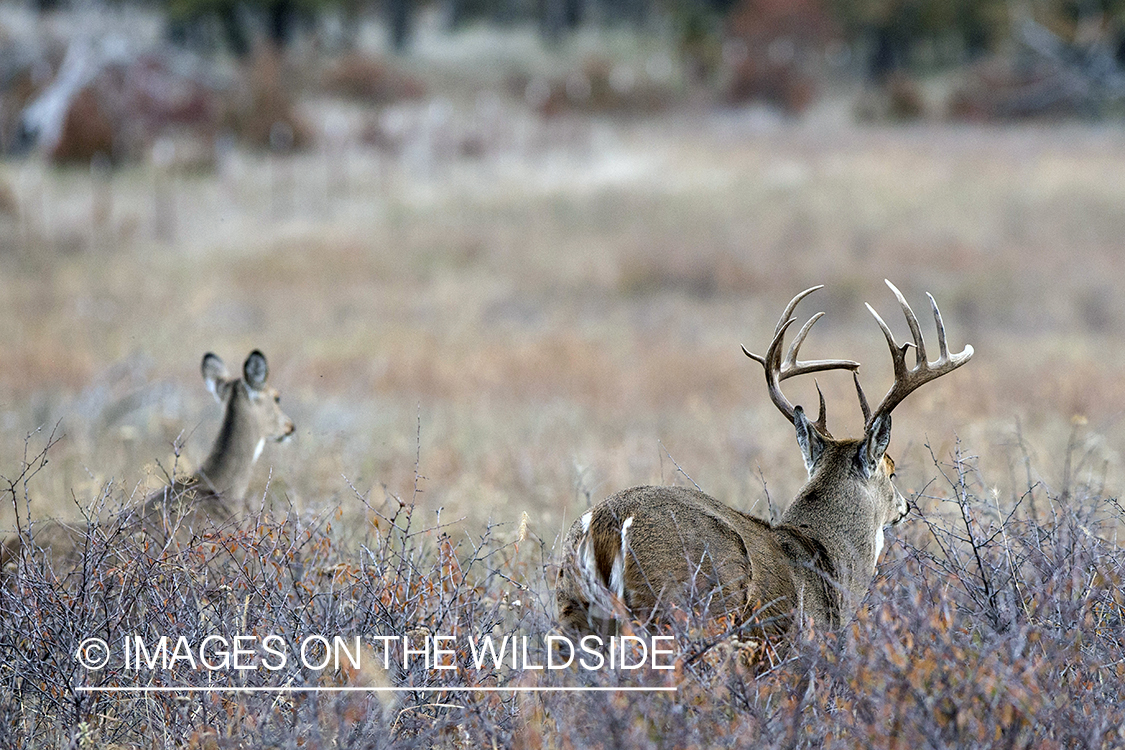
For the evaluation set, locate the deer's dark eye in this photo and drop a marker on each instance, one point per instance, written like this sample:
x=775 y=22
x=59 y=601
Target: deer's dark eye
x=277 y=399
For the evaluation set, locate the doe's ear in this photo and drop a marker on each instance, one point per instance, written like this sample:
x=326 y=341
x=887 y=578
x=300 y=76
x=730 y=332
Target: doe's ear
x=812 y=444
x=215 y=375
x=255 y=370
x=875 y=443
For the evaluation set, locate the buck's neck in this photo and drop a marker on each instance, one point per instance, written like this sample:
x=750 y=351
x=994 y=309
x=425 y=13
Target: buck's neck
x=226 y=472
x=844 y=523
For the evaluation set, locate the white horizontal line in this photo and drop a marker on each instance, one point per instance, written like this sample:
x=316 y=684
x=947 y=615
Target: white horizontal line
x=297 y=689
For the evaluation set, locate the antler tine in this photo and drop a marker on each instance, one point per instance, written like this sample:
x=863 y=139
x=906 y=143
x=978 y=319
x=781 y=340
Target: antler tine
x=791 y=366
x=862 y=399
x=907 y=380
x=955 y=360
x=793 y=306
x=912 y=321
x=759 y=359
x=943 y=349
x=821 y=423
x=790 y=361
x=778 y=369
x=898 y=354
x=783 y=322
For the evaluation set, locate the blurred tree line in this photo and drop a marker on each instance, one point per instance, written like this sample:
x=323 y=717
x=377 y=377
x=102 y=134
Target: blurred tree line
x=904 y=34
x=889 y=35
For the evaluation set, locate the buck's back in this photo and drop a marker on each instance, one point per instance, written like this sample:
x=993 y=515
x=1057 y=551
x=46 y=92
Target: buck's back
x=681 y=548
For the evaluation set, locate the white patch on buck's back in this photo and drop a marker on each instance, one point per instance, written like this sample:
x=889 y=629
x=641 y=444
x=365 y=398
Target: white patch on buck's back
x=586 y=517
x=588 y=581
x=617 y=574
x=587 y=562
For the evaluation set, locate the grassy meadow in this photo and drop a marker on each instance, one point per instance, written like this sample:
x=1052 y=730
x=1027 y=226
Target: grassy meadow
x=553 y=338
x=530 y=326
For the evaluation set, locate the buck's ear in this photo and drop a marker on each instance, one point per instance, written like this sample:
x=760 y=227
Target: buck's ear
x=215 y=375
x=812 y=444
x=255 y=371
x=875 y=443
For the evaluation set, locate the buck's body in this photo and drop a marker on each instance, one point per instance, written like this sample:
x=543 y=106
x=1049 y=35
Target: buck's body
x=647 y=550
x=702 y=553
x=698 y=551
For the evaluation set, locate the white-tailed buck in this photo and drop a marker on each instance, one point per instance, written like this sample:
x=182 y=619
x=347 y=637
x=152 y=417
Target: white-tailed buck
x=648 y=549
x=252 y=416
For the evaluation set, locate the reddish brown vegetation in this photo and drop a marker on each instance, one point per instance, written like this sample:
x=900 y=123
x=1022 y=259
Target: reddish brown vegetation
x=126 y=107
x=261 y=112
x=773 y=48
x=87 y=131
x=598 y=87
x=370 y=79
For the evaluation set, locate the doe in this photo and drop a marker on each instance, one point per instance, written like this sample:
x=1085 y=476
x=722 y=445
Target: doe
x=211 y=496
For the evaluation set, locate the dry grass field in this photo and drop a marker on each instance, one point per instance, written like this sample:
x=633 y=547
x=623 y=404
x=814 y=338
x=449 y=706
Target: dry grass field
x=528 y=329
x=559 y=320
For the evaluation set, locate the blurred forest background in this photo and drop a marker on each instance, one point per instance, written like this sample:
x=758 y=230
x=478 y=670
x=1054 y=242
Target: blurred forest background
x=93 y=80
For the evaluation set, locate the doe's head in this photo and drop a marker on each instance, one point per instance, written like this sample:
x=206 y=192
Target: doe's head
x=257 y=402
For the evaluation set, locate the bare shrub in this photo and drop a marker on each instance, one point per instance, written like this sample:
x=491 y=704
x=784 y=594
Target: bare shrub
x=288 y=577
x=995 y=625
x=997 y=621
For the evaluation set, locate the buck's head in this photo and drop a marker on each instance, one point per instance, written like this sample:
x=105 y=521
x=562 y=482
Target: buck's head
x=854 y=475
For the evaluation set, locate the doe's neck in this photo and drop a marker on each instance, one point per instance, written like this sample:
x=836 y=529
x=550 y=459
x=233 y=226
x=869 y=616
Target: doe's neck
x=228 y=466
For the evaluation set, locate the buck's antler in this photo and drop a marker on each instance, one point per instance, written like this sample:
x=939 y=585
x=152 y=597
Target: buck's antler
x=907 y=380
x=778 y=369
